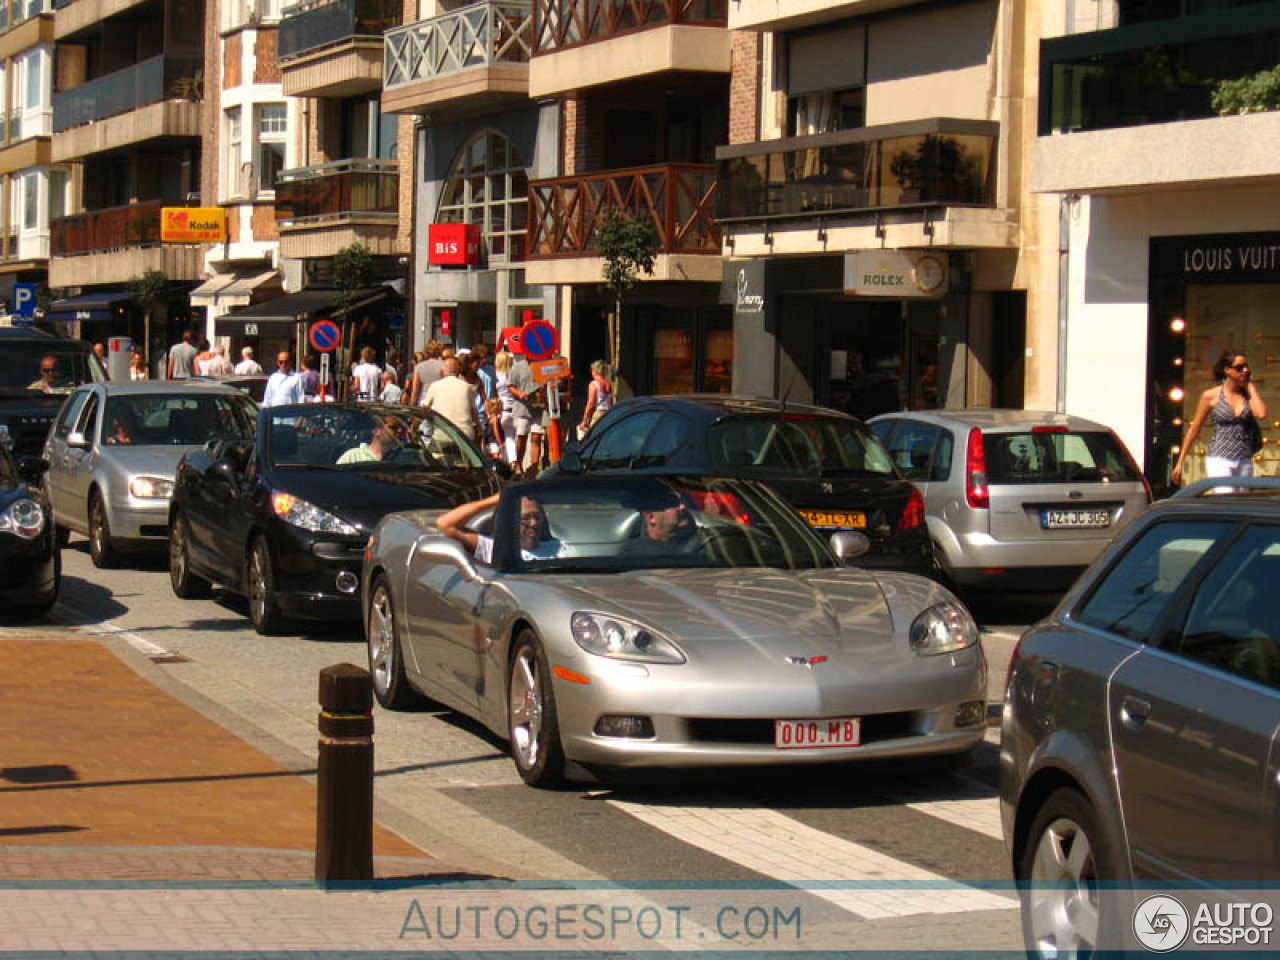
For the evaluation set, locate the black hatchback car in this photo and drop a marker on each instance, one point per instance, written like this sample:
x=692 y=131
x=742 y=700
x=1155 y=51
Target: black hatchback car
x=30 y=563
x=826 y=464
x=285 y=520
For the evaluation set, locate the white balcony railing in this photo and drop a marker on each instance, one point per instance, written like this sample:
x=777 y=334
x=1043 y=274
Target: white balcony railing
x=479 y=35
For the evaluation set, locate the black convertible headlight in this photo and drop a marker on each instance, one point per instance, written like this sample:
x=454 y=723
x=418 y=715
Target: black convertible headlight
x=308 y=516
x=621 y=639
x=22 y=517
x=943 y=628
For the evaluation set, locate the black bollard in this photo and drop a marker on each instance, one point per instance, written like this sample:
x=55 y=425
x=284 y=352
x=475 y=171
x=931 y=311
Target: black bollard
x=344 y=784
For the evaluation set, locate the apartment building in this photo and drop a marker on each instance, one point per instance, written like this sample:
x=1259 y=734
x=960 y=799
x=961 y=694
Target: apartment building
x=328 y=162
x=31 y=188
x=246 y=144
x=1169 y=191
x=128 y=88
x=883 y=249
x=462 y=73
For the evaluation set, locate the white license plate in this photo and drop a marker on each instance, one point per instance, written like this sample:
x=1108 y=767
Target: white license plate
x=805 y=734
x=1057 y=519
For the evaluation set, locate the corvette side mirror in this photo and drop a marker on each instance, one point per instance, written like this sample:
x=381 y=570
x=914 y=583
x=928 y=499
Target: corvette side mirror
x=450 y=551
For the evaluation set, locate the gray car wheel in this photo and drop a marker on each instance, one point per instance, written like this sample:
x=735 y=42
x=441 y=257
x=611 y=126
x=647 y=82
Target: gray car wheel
x=1066 y=862
x=260 y=579
x=101 y=550
x=531 y=715
x=386 y=662
x=185 y=584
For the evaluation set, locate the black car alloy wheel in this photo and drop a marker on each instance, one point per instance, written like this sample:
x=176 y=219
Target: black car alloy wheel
x=261 y=587
x=185 y=584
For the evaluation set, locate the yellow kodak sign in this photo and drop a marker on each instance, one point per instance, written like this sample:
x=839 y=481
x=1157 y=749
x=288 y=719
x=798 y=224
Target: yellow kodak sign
x=193 y=225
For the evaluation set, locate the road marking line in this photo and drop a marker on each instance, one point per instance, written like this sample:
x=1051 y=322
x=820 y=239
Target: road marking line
x=784 y=849
x=109 y=628
x=968 y=803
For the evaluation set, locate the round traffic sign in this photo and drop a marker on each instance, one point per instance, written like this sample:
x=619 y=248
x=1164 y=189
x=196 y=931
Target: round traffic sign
x=325 y=335
x=539 y=340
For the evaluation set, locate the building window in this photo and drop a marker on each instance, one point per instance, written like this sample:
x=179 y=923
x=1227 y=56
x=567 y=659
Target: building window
x=57 y=194
x=234 y=180
x=30 y=200
x=487 y=184
x=272 y=135
x=367 y=131
x=826 y=79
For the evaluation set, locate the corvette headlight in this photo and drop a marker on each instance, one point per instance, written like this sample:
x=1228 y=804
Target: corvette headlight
x=151 y=488
x=943 y=628
x=308 y=516
x=22 y=517
x=620 y=639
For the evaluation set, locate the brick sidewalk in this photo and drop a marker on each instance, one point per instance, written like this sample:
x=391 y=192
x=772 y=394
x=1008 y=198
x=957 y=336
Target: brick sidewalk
x=104 y=776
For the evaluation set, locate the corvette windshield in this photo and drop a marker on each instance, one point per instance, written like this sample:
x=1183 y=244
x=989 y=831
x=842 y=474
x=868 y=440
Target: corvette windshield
x=610 y=525
x=370 y=438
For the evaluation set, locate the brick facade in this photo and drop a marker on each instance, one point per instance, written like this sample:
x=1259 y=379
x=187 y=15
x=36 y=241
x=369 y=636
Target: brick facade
x=266 y=63
x=264 y=222
x=232 y=58
x=212 y=107
x=744 y=88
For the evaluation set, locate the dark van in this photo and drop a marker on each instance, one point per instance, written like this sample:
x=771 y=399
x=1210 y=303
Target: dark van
x=37 y=371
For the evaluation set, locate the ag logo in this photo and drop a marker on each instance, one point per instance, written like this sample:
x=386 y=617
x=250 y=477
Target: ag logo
x=1161 y=923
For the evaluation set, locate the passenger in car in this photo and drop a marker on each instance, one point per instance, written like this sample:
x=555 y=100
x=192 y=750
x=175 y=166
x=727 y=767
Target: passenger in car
x=536 y=542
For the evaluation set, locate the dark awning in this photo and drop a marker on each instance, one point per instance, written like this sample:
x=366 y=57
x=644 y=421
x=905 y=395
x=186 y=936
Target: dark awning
x=284 y=312
x=90 y=306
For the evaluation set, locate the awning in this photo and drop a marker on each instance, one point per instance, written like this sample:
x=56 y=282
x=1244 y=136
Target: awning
x=279 y=315
x=90 y=306
x=230 y=286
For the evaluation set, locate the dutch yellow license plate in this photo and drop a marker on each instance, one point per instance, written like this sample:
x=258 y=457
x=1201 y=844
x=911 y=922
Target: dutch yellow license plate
x=843 y=519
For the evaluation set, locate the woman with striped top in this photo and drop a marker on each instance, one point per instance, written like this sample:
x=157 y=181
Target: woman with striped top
x=1230 y=405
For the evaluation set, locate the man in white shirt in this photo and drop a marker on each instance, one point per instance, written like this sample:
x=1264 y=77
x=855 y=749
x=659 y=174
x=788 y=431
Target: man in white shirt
x=536 y=543
x=454 y=398
x=218 y=365
x=366 y=376
x=248 y=367
x=284 y=386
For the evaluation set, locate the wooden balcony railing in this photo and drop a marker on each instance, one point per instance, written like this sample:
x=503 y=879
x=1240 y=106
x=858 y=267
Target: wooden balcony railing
x=678 y=199
x=558 y=24
x=114 y=228
x=478 y=35
x=337 y=190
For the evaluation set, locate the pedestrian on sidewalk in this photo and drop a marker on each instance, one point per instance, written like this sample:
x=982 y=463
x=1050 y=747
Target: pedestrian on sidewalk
x=248 y=367
x=1234 y=407
x=182 y=358
x=285 y=385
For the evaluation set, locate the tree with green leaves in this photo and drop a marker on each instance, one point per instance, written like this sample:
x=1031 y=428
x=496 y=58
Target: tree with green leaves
x=628 y=248
x=1259 y=93
x=352 y=269
x=148 y=292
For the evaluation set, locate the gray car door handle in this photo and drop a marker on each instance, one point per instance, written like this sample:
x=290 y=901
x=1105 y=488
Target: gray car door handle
x=1134 y=712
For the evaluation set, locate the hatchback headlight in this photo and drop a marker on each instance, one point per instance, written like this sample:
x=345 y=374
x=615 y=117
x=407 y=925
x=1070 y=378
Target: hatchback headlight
x=620 y=639
x=151 y=488
x=308 y=516
x=24 y=518
x=943 y=628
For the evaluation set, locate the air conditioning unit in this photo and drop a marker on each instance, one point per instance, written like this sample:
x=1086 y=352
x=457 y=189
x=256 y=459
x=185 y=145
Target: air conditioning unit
x=193 y=199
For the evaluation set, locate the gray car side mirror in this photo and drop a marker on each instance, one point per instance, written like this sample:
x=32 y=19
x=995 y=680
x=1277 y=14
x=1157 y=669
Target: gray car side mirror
x=848 y=544
x=450 y=551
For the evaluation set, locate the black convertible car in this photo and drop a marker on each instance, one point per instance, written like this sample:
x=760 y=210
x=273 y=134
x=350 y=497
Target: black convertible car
x=284 y=519
x=30 y=563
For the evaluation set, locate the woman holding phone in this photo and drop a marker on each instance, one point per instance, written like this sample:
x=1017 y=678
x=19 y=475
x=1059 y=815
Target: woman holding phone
x=1230 y=406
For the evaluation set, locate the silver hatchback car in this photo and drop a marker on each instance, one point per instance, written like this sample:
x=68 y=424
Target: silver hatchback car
x=1015 y=499
x=113 y=454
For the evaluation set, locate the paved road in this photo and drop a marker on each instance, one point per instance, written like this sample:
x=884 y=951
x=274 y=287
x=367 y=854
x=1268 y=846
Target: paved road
x=448 y=786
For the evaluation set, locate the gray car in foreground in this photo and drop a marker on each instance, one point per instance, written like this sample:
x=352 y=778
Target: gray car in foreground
x=741 y=638
x=1141 y=730
x=1015 y=499
x=113 y=454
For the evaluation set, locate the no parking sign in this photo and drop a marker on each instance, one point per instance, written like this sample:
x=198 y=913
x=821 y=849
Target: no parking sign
x=325 y=335
x=539 y=340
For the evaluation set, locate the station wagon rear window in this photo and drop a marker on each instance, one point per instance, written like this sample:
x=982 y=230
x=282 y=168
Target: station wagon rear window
x=1078 y=457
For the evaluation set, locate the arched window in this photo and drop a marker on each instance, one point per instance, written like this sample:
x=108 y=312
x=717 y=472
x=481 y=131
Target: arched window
x=487 y=185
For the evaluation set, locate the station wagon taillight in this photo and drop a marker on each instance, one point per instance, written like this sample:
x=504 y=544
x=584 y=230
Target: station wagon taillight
x=975 y=472
x=913 y=513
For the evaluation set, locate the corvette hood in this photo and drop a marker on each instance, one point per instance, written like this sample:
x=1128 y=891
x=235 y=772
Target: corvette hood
x=834 y=609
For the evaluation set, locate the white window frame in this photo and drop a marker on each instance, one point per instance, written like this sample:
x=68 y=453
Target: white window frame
x=233 y=152
x=274 y=135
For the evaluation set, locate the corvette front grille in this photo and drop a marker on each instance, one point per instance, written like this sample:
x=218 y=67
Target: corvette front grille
x=875 y=726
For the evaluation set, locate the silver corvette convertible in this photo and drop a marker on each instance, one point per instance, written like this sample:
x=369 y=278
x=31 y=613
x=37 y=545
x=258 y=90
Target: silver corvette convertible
x=668 y=622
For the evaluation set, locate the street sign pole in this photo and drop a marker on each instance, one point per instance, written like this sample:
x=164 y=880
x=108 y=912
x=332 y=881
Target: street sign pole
x=324 y=374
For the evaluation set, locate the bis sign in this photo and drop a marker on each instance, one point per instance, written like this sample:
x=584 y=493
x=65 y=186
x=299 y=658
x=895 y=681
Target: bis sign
x=453 y=244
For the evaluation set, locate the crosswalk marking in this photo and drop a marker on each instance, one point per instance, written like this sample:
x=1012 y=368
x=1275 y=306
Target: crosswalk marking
x=784 y=849
x=968 y=803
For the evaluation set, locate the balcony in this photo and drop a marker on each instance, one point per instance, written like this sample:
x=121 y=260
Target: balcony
x=72 y=16
x=473 y=58
x=565 y=216
x=155 y=99
x=1159 y=91
x=334 y=48
x=114 y=244
x=22 y=25
x=585 y=43
x=930 y=182
x=321 y=209
x=790 y=14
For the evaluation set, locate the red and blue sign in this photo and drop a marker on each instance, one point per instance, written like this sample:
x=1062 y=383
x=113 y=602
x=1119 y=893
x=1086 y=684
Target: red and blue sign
x=325 y=335
x=538 y=338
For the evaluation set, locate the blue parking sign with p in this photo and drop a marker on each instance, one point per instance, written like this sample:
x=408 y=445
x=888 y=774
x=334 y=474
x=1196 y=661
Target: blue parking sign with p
x=24 y=300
